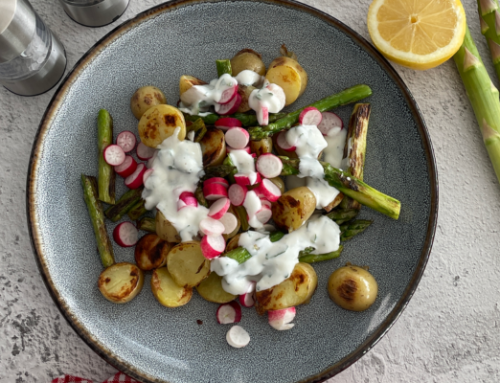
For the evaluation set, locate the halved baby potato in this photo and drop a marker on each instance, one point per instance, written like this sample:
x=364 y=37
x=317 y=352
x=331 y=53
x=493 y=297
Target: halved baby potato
x=159 y=122
x=262 y=146
x=288 y=74
x=187 y=265
x=165 y=230
x=151 y=252
x=211 y=290
x=144 y=98
x=166 y=291
x=293 y=208
x=186 y=82
x=213 y=147
x=121 y=282
x=247 y=59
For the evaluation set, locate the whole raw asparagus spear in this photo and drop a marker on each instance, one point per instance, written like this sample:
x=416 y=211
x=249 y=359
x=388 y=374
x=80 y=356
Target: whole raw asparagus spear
x=124 y=204
x=94 y=207
x=489 y=17
x=147 y=224
x=351 y=187
x=347 y=96
x=106 y=176
x=483 y=96
x=245 y=119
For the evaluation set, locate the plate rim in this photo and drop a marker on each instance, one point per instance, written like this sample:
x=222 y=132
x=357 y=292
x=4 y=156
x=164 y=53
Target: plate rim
x=48 y=116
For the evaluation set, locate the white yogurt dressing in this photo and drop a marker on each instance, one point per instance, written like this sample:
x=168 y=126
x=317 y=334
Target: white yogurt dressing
x=248 y=77
x=252 y=205
x=177 y=167
x=272 y=263
x=269 y=99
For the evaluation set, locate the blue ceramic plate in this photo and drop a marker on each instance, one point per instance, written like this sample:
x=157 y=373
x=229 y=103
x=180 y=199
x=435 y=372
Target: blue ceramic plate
x=156 y=344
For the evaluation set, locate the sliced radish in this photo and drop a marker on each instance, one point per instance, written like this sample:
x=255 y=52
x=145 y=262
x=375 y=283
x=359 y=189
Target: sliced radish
x=226 y=123
x=237 y=194
x=268 y=190
x=246 y=149
x=310 y=116
x=127 y=167
x=231 y=107
x=146 y=175
x=212 y=246
x=237 y=138
x=219 y=208
x=280 y=319
x=114 y=155
x=229 y=313
x=228 y=94
x=136 y=179
x=186 y=199
x=214 y=191
x=283 y=143
x=263 y=115
x=330 y=121
x=230 y=222
x=211 y=227
x=125 y=234
x=264 y=214
x=247 y=179
x=217 y=180
x=247 y=300
x=266 y=203
x=269 y=165
x=144 y=152
x=237 y=337
x=126 y=140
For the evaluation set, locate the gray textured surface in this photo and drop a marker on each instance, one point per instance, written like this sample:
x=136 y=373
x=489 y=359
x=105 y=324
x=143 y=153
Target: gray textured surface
x=449 y=331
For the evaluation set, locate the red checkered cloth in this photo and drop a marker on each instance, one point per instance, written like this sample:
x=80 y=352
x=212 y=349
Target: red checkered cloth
x=118 y=378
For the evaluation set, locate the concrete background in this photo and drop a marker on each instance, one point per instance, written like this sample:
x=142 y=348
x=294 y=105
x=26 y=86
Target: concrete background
x=450 y=330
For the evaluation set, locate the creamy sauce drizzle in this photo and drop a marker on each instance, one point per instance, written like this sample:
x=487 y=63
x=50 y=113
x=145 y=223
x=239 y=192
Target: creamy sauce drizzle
x=269 y=99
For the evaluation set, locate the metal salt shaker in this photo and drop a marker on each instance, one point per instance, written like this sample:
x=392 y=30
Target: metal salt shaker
x=32 y=60
x=94 y=13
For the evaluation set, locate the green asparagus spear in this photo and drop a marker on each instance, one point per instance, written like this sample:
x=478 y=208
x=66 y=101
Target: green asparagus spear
x=489 y=16
x=199 y=128
x=147 y=224
x=314 y=258
x=124 y=204
x=275 y=236
x=245 y=119
x=94 y=207
x=242 y=215
x=106 y=176
x=240 y=254
x=198 y=193
x=340 y=216
x=483 y=96
x=138 y=210
x=351 y=187
x=223 y=67
x=345 y=97
x=351 y=229
x=223 y=170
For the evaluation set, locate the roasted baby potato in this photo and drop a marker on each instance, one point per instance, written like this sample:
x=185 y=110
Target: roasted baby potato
x=336 y=202
x=187 y=82
x=213 y=147
x=121 y=282
x=144 y=98
x=151 y=252
x=294 y=291
x=165 y=230
x=166 y=291
x=211 y=290
x=278 y=181
x=244 y=92
x=293 y=208
x=160 y=122
x=238 y=226
x=262 y=146
x=187 y=265
x=352 y=288
x=289 y=74
x=248 y=59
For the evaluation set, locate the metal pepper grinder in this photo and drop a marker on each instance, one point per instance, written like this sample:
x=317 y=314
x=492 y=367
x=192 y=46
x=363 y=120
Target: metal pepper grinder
x=94 y=13
x=32 y=60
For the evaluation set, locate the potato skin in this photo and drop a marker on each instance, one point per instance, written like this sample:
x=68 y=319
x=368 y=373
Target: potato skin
x=165 y=230
x=278 y=181
x=336 y=202
x=244 y=92
x=144 y=98
x=211 y=290
x=247 y=59
x=289 y=74
x=151 y=252
x=262 y=146
x=166 y=291
x=296 y=290
x=160 y=122
x=187 y=265
x=186 y=82
x=121 y=282
x=213 y=147
x=293 y=208
x=352 y=288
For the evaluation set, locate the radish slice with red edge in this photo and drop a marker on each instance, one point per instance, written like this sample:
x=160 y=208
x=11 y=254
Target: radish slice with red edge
x=280 y=319
x=247 y=300
x=136 y=179
x=330 y=121
x=210 y=226
x=228 y=94
x=246 y=149
x=144 y=152
x=226 y=123
x=212 y=246
x=263 y=115
x=264 y=214
x=186 y=199
x=114 y=155
x=231 y=107
x=237 y=138
x=217 y=180
x=146 y=175
x=268 y=190
x=247 y=179
x=126 y=140
x=310 y=116
x=283 y=143
x=219 y=208
x=127 y=167
x=237 y=194
x=214 y=191
x=269 y=165
x=266 y=203
x=230 y=222
x=229 y=313
x=126 y=234
x=237 y=337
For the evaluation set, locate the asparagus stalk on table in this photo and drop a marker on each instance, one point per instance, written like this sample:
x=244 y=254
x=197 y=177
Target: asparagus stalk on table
x=106 y=173
x=124 y=204
x=347 y=96
x=94 y=207
x=483 y=96
x=489 y=17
